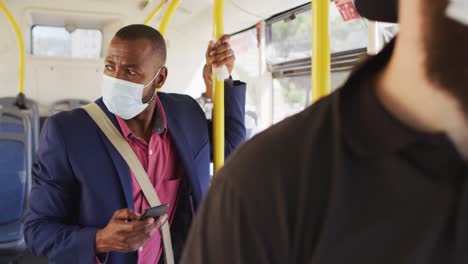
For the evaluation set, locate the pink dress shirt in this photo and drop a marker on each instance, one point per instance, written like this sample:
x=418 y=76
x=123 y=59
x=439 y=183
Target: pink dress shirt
x=163 y=166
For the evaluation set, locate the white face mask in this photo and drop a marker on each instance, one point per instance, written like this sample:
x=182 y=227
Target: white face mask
x=124 y=98
x=458 y=11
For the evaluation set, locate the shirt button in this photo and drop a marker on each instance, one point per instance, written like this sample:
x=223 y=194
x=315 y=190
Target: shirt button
x=151 y=152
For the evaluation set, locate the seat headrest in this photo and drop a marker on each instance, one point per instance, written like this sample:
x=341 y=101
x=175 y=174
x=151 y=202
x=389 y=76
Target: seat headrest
x=378 y=10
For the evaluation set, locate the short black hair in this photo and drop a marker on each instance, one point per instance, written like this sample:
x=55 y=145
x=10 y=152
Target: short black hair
x=140 y=31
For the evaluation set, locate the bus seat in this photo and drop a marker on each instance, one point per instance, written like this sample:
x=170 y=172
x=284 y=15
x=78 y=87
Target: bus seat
x=15 y=177
x=10 y=233
x=33 y=113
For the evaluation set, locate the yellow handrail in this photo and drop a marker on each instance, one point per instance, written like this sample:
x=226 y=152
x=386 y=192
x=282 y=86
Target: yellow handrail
x=21 y=49
x=155 y=12
x=320 y=49
x=218 y=102
x=168 y=15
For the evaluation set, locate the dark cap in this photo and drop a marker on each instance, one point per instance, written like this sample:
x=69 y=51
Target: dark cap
x=378 y=10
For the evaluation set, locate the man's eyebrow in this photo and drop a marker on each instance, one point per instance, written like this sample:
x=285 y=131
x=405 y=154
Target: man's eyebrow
x=130 y=65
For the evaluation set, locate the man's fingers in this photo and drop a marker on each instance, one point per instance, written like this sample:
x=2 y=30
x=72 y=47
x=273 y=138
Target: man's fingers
x=136 y=226
x=137 y=240
x=132 y=241
x=220 y=49
x=161 y=221
x=125 y=214
x=141 y=225
x=211 y=45
x=218 y=58
x=149 y=229
x=225 y=61
x=128 y=233
x=142 y=235
x=220 y=53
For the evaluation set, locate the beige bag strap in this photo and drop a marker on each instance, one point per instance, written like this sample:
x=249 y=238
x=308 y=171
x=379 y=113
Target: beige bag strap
x=127 y=153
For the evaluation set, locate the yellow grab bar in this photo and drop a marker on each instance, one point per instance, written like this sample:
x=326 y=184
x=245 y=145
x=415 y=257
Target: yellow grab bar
x=320 y=49
x=167 y=16
x=21 y=49
x=218 y=102
x=155 y=12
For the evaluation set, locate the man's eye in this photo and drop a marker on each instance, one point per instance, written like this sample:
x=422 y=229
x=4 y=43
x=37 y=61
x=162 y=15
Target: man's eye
x=109 y=68
x=130 y=72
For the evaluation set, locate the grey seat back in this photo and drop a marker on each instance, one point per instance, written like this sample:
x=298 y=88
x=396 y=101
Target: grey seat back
x=67 y=105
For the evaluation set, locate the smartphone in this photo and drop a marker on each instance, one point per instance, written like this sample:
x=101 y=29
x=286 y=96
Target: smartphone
x=154 y=212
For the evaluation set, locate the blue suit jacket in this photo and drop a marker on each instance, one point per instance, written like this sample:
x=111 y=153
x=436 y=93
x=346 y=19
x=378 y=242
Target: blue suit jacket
x=80 y=180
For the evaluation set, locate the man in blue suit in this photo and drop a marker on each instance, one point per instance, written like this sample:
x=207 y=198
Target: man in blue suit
x=84 y=196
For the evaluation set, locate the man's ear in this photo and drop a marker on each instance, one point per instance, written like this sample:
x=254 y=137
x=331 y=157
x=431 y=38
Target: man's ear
x=162 y=77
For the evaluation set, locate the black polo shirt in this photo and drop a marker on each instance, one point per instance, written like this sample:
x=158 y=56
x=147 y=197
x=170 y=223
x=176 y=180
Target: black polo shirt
x=342 y=182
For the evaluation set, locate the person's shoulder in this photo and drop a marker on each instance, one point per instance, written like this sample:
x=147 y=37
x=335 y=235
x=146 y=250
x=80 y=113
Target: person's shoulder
x=282 y=151
x=175 y=97
x=180 y=103
x=71 y=116
x=70 y=121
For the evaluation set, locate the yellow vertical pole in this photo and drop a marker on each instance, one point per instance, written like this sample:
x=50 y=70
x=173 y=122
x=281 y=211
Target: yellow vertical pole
x=21 y=49
x=218 y=102
x=167 y=16
x=155 y=11
x=320 y=49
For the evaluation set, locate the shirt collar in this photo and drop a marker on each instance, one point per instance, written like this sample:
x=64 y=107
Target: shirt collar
x=159 y=121
x=159 y=118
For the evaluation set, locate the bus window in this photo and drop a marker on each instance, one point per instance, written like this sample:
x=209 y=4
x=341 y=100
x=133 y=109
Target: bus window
x=245 y=45
x=289 y=38
x=289 y=41
x=290 y=95
x=346 y=35
x=52 y=41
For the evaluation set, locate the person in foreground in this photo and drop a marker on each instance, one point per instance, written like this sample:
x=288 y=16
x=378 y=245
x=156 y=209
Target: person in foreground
x=374 y=173
x=85 y=201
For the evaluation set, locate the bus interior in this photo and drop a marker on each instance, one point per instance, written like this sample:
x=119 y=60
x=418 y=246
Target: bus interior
x=65 y=42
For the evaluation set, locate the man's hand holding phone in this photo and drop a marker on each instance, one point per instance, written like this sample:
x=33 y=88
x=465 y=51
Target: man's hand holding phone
x=127 y=231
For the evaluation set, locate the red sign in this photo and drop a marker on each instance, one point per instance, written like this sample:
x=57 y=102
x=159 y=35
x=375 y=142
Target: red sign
x=347 y=9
